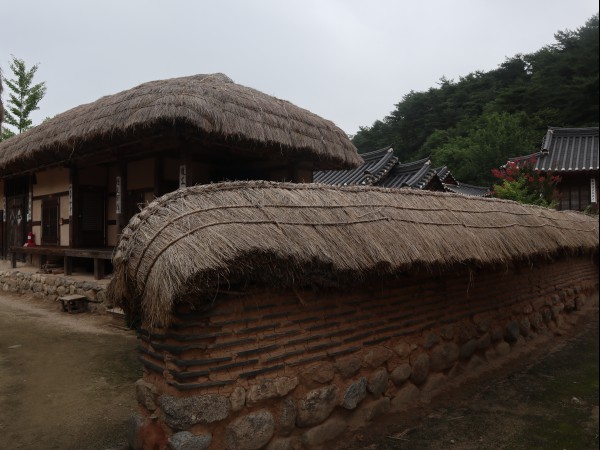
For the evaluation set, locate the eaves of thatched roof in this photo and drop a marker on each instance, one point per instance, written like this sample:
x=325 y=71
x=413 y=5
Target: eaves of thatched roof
x=212 y=105
x=205 y=239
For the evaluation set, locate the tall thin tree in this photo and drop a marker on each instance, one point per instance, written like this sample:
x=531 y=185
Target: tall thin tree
x=23 y=98
x=1 y=105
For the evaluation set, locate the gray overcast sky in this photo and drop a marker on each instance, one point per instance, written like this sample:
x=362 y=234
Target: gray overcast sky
x=348 y=61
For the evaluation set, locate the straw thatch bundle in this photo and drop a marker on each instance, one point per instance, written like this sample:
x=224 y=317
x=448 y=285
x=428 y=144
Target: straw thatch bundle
x=212 y=104
x=205 y=238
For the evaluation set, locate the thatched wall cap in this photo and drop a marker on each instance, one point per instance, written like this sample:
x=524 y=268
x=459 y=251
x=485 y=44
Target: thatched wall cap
x=213 y=104
x=205 y=239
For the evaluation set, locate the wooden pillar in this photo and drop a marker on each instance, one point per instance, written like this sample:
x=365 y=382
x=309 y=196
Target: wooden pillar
x=121 y=197
x=73 y=207
x=186 y=173
x=68 y=265
x=98 y=268
x=4 y=246
x=29 y=226
x=158 y=176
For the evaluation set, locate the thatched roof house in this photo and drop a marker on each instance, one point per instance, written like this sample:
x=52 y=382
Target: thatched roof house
x=79 y=177
x=200 y=107
x=211 y=238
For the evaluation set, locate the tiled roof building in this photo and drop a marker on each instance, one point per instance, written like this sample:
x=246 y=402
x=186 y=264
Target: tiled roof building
x=468 y=189
x=415 y=175
x=571 y=153
x=381 y=168
x=376 y=165
x=566 y=150
x=452 y=185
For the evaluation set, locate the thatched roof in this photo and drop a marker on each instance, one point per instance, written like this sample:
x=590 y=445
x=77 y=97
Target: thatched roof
x=211 y=104
x=206 y=239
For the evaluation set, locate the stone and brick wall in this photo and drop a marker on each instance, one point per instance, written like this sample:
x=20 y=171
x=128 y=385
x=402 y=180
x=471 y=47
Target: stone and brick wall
x=294 y=370
x=50 y=287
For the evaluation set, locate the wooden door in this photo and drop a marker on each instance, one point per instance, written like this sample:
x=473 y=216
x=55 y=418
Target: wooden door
x=50 y=226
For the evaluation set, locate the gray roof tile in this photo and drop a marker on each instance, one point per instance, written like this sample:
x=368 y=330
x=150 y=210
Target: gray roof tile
x=382 y=168
x=566 y=150
x=376 y=165
x=468 y=189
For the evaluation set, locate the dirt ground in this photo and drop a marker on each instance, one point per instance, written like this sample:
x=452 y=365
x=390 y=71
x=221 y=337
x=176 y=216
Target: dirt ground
x=67 y=382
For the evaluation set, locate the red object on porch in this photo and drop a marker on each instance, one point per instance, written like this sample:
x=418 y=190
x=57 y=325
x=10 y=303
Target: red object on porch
x=30 y=240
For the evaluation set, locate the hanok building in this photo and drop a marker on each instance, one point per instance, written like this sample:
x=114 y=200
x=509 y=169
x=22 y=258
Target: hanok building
x=571 y=153
x=451 y=184
x=381 y=168
x=75 y=180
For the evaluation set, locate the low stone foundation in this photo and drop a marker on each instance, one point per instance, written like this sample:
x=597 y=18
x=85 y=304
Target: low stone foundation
x=50 y=287
x=296 y=370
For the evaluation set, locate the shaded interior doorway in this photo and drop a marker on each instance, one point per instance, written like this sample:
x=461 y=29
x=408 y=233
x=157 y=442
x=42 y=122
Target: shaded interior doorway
x=92 y=214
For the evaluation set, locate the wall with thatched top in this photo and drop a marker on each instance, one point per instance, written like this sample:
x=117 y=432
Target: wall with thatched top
x=279 y=315
x=206 y=239
x=212 y=105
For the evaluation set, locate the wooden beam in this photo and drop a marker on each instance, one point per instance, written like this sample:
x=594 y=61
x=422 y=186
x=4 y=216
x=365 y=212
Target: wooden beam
x=100 y=253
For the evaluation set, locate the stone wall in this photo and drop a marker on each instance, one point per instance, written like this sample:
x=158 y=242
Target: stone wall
x=295 y=370
x=50 y=287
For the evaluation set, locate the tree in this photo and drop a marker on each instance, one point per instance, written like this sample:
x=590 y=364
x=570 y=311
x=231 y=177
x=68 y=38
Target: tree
x=521 y=183
x=485 y=143
x=23 y=98
x=1 y=105
x=475 y=123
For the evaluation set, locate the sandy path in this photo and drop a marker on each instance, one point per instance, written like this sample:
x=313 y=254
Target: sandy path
x=66 y=381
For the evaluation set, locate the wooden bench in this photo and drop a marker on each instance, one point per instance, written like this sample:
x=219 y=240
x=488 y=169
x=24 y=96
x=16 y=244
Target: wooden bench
x=74 y=303
x=99 y=255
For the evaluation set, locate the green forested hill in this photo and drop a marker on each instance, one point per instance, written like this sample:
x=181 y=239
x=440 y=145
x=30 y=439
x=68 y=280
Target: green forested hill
x=476 y=123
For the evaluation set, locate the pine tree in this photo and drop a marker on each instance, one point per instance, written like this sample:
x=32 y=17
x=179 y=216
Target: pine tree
x=1 y=105
x=23 y=98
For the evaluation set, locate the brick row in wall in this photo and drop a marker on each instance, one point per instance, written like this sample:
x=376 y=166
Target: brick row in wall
x=243 y=338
